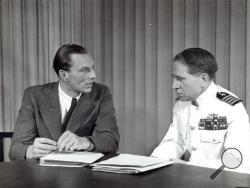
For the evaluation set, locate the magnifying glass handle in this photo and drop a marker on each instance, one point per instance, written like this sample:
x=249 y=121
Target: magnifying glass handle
x=216 y=172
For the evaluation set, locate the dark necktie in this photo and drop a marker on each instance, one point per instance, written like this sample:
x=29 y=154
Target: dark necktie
x=195 y=103
x=68 y=114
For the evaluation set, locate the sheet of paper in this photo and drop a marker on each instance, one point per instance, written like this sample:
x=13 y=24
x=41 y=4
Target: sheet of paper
x=131 y=160
x=70 y=158
x=130 y=170
x=130 y=164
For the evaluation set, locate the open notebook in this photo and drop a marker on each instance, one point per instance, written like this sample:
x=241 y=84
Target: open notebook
x=129 y=164
x=69 y=159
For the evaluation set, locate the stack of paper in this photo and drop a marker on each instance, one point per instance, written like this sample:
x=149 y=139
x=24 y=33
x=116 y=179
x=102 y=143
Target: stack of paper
x=130 y=164
x=69 y=159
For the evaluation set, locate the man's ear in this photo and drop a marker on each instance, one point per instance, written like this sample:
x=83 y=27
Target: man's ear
x=204 y=77
x=63 y=75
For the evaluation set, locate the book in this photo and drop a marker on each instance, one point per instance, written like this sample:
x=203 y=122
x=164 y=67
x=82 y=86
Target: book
x=130 y=164
x=70 y=159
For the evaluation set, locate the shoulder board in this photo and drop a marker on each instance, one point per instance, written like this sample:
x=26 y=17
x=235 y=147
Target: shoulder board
x=226 y=97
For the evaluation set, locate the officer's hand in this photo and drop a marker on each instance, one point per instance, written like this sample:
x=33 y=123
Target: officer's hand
x=40 y=148
x=69 y=141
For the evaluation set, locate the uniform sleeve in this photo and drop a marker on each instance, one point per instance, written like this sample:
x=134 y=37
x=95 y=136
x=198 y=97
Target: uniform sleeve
x=24 y=131
x=171 y=146
x=238 y=134
x=106 y=135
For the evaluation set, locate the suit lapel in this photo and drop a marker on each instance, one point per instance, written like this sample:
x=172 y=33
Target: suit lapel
x=51 y=111
x=81 y=112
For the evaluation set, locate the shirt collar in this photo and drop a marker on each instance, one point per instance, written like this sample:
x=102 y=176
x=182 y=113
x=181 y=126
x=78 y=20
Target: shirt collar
x=65 y=95
x=206 y=95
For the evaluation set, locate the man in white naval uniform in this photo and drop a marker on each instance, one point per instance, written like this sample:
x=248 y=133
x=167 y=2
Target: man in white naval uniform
x=207 y=119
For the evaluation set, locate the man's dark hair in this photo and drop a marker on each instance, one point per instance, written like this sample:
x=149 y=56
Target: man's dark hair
x=198 y=60
x=62 y=58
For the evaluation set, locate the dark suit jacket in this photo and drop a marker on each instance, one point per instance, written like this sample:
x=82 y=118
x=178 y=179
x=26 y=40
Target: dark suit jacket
x=40 y=116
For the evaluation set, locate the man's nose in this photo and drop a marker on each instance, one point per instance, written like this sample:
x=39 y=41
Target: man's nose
x=175 y=84
x=92 y=74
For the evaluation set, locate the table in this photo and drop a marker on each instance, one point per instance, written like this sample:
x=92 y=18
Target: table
x=28 y=174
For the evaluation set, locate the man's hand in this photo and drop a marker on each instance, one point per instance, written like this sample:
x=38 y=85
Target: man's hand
x=40 y=148
x=69 y=141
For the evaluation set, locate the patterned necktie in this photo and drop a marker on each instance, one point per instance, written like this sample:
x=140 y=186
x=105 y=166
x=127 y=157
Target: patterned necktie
x=68 y=114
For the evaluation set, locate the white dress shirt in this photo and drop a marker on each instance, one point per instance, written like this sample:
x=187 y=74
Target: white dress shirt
x=206 y=146
x=65 y=102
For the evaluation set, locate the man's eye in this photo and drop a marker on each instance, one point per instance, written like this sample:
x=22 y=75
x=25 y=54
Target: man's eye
x=85 y=69
x=179 y=78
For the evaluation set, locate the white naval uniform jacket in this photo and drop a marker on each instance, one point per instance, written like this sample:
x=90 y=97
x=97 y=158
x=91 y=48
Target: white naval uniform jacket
x=206 y=145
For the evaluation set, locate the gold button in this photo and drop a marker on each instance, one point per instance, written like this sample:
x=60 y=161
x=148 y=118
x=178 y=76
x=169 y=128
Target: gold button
x=214 y=139
x=194 y=148
x=192 y=127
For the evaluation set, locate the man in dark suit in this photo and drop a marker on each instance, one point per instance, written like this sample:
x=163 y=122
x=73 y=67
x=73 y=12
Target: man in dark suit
x=74 y=113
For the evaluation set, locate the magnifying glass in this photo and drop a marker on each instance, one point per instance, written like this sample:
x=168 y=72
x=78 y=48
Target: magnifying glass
x=231 y=158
